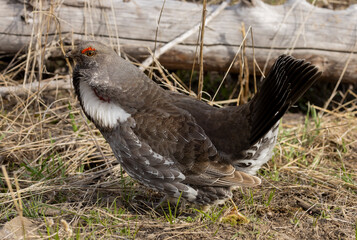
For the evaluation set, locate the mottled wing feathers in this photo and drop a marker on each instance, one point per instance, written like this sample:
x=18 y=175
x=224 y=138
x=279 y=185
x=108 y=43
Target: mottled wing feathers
x=147 y=166
x=177 y=136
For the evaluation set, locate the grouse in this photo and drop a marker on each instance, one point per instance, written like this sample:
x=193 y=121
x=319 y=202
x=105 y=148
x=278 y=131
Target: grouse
x=174 y=143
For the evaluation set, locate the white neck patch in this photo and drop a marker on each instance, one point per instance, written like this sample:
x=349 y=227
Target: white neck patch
x=106 y=114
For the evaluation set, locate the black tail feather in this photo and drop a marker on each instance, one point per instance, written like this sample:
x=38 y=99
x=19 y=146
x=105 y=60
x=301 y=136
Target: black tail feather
x=287 y=81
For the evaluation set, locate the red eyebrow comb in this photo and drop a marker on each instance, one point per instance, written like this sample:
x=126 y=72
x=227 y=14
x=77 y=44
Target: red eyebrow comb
x=87 y=49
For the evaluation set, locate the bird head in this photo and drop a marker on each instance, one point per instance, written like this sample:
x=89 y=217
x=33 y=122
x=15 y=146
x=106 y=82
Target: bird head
x=97 y=85
x=89 y=54
x=111 y=76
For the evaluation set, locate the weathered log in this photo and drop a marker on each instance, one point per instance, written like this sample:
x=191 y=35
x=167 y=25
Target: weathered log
x=325 y=37
x=48 y=84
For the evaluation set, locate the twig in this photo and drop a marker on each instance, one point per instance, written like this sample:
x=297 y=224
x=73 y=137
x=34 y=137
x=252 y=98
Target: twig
x=272 y=46
x=156 y=33
x=327 y=103
x=116 y=26
x=184 y=36
x=231 y=65
x=254 y=73
x=301 y=28
x=17 y=204
x=311 y=209
x=203 y=23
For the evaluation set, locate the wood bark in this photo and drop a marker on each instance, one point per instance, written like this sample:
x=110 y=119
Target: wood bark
x=325 y=37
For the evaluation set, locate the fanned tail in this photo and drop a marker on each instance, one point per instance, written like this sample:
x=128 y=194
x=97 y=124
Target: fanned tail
x=287 y=81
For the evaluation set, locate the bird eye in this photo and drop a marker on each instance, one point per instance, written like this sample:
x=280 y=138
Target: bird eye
x=90 y=53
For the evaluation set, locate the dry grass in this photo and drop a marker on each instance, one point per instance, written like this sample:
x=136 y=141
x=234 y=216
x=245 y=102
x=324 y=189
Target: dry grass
x=62 y=175
x=66 y=171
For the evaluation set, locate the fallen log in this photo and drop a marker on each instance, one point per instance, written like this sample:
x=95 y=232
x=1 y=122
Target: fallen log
x=325 y=37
